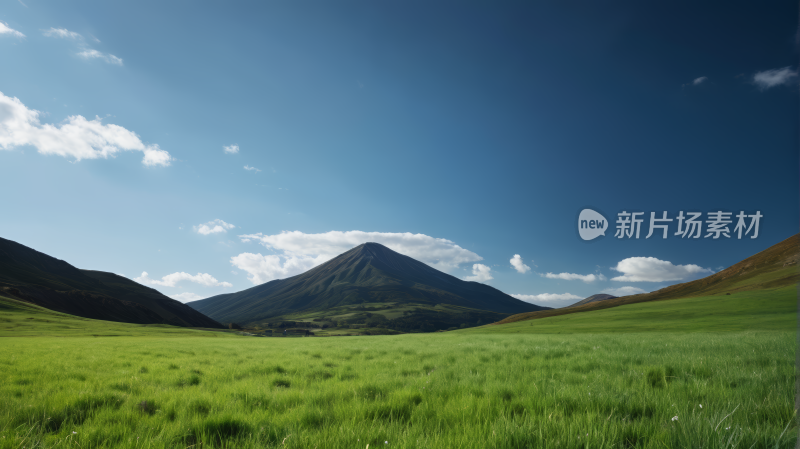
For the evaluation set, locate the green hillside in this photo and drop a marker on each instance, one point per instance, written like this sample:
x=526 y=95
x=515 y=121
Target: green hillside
x=775 y=267
x=763 y=310
x=35 y=277
x=22 y=319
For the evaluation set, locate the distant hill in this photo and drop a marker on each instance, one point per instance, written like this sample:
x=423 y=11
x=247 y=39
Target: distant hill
x=370 y=276
x=594 y=298
x=35 y=277
x=774 y=267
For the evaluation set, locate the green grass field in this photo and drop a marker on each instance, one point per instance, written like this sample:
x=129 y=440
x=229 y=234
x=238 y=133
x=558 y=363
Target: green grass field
x=750 y=310
x=652 y=375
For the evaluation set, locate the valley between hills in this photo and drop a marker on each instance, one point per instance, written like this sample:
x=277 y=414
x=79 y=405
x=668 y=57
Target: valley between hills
x=709 y=363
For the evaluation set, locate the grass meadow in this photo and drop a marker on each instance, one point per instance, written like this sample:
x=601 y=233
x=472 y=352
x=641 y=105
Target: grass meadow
x=662 y=386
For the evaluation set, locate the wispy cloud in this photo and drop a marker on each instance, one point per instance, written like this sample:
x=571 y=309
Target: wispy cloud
x=698 y=81
x=480 y=273
x=575 y=277
x=518 y=265
x=8 y=31
x=77 y=137
x=299 y=252
x=62 y=33
x=650 y=269
x=775 y=77
x=90 y=53
x=85 y=52
x=171 y=280
x=249 y=168
x=231 y=149
x=545 y=297
x=213 y=227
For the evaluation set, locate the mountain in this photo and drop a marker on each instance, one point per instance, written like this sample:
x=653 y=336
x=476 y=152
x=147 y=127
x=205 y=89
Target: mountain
x=368 y=276
x=774 y=267
x=34 y=277
x=593 y=298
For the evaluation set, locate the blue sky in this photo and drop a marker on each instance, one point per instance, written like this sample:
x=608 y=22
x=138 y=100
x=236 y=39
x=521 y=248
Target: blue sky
x=459 y=133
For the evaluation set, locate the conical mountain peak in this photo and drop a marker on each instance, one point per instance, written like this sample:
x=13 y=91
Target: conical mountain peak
x=373 y=249
x=368 y=273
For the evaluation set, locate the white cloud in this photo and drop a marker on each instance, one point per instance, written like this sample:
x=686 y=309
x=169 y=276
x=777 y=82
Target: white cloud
x=775 y=77
x=544 y=297
x=90 y=53
x=186 y=297
x=624 y=291
x=5 y=29
x=650 y=269
x=698 y=81
x=231 y=149
x=77 y=137
x=154 y=155
x=213 y=227
x=300 y=252
x=62 y=33
x=480 y=273
x=171 y=280
x=575 y=277
x=249 y=168
x=516 y=262
x=86 y=52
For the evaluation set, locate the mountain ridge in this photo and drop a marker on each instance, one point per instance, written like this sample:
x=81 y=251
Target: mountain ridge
x=35 y=277
x=594 y=298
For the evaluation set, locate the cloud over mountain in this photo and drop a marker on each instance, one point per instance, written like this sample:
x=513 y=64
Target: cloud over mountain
x=624 y=291
x=186 y=297
x=650 y=269
x=544 y=297
x=480 y=273
x=575 y=277
x=299 y=251
x=171 y=280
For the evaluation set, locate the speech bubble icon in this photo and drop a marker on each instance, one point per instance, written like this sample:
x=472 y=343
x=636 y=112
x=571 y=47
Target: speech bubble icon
x=591 y=224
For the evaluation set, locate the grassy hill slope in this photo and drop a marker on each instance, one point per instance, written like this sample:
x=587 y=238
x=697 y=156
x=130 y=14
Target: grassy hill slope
x=23 y=319
x=35 y=277
x=763 y=310
x=772 y=268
